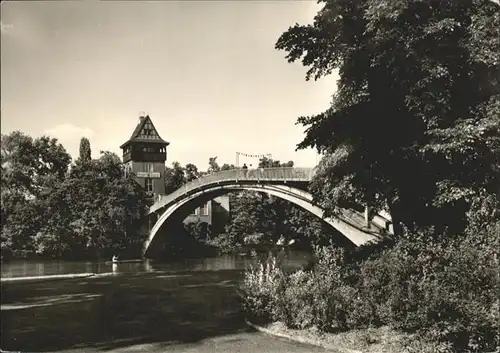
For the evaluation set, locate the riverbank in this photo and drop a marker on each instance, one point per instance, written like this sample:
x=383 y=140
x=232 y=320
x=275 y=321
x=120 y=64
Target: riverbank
x=374 y=340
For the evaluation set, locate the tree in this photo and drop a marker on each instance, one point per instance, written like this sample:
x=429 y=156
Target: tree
x=246 y=217
x=226 y=166
x=266 y=162
x=93 y=213
x=414 y=124
x=21 y=219
x=85 y=152
x=198 y=230
x=29 y=168
x=29 y=165
x=174 y=177
x=191 y=172
x=109 y=164
x=213 y=166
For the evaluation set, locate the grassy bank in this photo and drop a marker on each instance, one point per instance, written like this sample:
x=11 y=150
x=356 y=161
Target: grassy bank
x=372 y=340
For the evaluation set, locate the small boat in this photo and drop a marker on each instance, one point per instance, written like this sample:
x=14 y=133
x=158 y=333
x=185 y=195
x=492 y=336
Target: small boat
x=124 y=261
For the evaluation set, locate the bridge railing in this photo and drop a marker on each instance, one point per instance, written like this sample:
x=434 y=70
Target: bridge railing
x=261 y=174
x=301 y=174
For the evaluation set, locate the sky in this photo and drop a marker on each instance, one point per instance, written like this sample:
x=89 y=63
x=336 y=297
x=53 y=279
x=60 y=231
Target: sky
x=206 y=72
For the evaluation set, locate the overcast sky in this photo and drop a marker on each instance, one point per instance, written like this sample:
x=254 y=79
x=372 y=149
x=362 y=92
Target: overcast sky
x=206 y=72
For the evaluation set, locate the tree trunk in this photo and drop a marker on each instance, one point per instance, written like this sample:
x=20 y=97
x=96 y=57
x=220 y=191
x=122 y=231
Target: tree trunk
x=397 y=218
x=367 y=217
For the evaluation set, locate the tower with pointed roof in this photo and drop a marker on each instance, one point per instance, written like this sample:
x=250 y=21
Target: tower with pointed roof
x=144 y=155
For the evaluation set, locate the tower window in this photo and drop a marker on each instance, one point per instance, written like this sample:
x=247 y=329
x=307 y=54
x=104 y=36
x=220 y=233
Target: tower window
x=128 y=170
x=148 y=167
x=148 y=184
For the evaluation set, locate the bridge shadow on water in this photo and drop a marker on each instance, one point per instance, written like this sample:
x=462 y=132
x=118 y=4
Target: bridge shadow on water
x=115 y=312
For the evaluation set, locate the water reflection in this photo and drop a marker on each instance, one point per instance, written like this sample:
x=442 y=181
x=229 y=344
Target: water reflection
x=22 y=268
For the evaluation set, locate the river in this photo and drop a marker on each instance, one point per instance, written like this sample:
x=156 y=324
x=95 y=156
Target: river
x=24 y=268
x=189 y=305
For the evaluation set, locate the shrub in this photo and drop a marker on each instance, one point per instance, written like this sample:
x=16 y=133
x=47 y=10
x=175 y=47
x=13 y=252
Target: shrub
x=50 y=244
x=224 y=243
x=446 y=289
x=331 y=295
x=296 y=309
x=418 y=344
x=198 y=230
x=322 y=296
x=262 y=288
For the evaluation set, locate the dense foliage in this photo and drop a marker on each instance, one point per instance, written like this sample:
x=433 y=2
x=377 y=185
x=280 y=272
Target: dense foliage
x=414 y=127
x=447 y=292
x=85 y=151
x=414 y=124
x=92 y=210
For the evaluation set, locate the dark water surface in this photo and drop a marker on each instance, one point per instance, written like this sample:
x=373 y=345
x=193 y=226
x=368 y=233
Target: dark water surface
x=24 y=268
x=190 y=305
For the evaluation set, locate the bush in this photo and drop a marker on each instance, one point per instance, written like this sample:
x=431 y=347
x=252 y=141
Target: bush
x=332 y=296
x=445 y=290
x=318 y=297
x=448 y=290
x=296 y=309
x=263 y=287
x=224 y=243
x=52 y=244
x=418 y=344
x=198 y=230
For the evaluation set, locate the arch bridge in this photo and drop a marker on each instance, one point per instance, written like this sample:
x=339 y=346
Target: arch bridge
x=287 y=183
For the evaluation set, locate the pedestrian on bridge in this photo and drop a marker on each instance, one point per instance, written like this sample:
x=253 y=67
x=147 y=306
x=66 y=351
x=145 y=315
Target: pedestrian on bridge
x=245 y=169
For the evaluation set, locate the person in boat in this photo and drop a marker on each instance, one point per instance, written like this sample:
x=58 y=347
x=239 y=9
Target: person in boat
x=115 y=258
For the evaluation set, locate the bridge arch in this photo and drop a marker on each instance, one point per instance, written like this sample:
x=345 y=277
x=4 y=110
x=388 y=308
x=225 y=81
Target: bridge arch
x=349 y=222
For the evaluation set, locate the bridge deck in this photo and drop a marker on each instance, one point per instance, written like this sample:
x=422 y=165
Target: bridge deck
x=238 y=175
